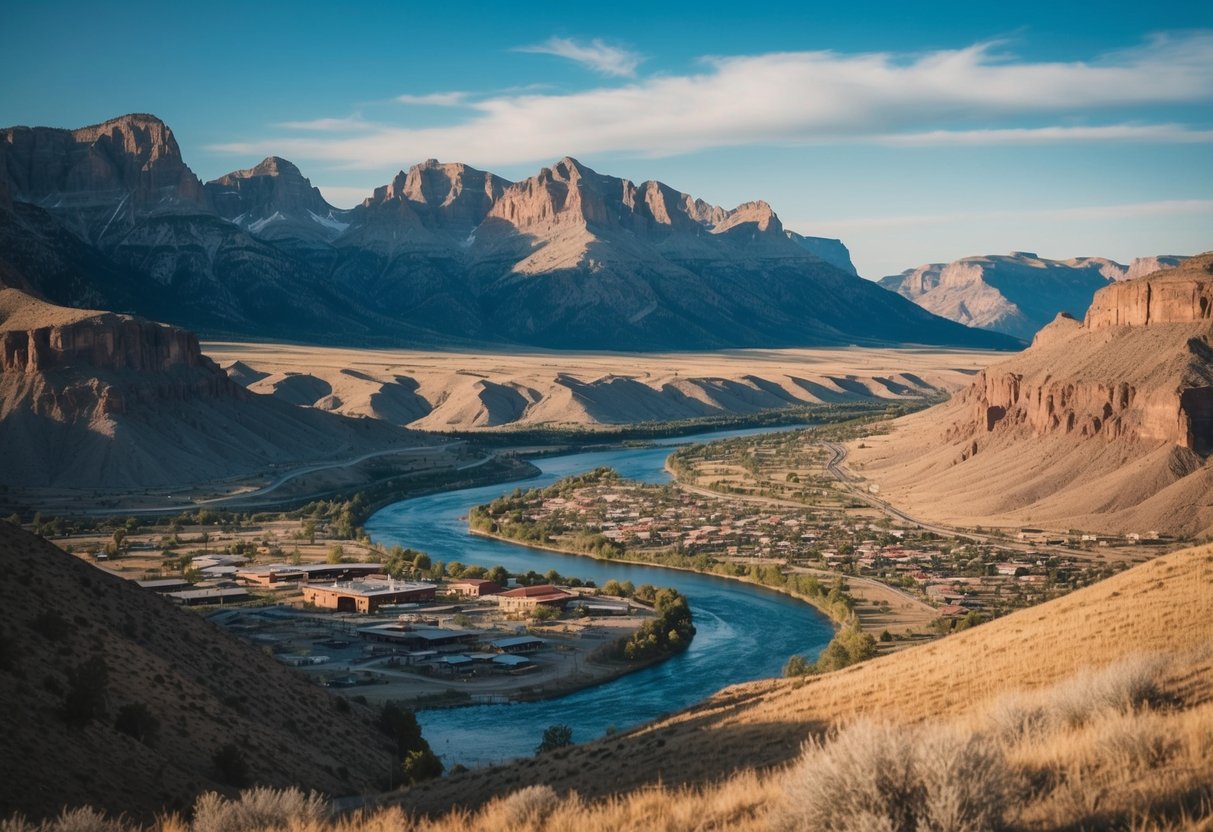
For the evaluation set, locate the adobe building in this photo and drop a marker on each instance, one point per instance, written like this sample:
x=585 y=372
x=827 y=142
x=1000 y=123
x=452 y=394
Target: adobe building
x=527 y=598
x=473 y=587
x=366 y=596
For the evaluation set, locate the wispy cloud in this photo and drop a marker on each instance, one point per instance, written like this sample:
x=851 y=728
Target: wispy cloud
x=964 y=96
x=595 y=54
x=348 y=124
x=1158 y=133
x=434 y=99
x=1081 y=213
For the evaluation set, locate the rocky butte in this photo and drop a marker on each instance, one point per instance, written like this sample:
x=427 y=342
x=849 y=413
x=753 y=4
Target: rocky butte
x=1105 y=424
x=95 y=399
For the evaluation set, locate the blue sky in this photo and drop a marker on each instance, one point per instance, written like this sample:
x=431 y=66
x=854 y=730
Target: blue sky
x=915 y=132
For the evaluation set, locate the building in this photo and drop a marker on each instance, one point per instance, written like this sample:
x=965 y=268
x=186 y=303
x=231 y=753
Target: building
x=473 y=587
x=275 y=573
x=165 y=584
x=527 y=598
x=419 y=640
x=518 y=644
x=195 y=597
x=366 y=596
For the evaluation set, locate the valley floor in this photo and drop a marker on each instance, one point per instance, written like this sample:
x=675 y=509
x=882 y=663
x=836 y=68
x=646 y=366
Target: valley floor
x=444 y=391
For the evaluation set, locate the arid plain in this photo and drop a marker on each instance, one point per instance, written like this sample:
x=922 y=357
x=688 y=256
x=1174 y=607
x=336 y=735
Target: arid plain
x=441 y=391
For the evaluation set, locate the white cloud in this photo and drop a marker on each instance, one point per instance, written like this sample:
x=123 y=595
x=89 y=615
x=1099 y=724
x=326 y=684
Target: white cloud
x=1159 y=133
x=434 y=99
x=597 y=55
x=1128 y=210
x=965 y=96
x=348 y=124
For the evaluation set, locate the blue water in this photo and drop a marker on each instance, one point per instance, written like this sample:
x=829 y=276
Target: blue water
x=744 y=632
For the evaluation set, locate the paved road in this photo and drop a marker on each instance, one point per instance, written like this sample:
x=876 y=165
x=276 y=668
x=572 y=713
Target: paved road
x=850 y=483
x=242 y=499
x=323 y=466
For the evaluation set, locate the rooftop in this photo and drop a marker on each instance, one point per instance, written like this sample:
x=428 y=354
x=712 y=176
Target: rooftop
x=370 y=589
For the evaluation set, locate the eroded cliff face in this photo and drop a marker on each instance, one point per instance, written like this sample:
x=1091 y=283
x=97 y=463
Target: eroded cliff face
x=135 y=156
x=1159 y=300
x=88 y=366
x=1140 y=368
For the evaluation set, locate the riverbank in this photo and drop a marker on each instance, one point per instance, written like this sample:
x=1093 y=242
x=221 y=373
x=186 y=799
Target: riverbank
x=823 y=608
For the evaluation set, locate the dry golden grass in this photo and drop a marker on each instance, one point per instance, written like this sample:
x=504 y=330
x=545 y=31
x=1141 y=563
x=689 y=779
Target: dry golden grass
x=1094 y=711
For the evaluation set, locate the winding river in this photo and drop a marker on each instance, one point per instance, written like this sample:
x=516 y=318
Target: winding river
x=745 y=632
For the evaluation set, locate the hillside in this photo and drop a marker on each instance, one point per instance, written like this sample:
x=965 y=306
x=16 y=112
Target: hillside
x=443 y=254
x=202 y=688
x=1016 y=294
x=93 y=399
x=1090 y=711
x=1163 y=608
x=1104 y=425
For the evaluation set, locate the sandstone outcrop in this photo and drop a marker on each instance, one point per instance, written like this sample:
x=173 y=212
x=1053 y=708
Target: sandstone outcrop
x=1100 y=424
x=94 y=399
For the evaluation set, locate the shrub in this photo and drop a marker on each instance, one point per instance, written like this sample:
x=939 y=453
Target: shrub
x=87 y=687
x=525 y=806
x=137 y=720
x=419 y=765
x=230 y=766
x=555 y=736
x=83 y=819
x=258 y=809
x=881 y=777
x=51 y=625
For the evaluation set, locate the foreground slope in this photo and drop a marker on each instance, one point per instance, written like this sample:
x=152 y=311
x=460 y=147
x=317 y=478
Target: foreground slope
x=93 y=399
x=204 y=688
x=1105 y=425
x=442 y=254
x=1164 y=607
x=1017 y=293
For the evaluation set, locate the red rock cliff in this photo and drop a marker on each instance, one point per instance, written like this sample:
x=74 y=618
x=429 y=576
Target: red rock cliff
x=1140 y=368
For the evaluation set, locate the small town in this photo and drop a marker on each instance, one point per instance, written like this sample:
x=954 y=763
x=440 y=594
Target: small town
x=939 y=582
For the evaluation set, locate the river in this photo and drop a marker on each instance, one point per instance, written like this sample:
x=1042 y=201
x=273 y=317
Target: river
x=744 y=632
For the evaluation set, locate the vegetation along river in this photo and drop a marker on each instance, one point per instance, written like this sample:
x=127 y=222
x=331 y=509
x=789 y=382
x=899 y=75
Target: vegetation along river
x=745 y=632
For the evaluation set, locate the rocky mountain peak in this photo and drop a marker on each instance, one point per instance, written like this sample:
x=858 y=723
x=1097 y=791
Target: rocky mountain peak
x=449 y=198
x=274 y=200
x=123 y=168
x=758 y=216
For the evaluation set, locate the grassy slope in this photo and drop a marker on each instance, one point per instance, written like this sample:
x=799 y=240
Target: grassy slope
x=205 y=688
x=1164 y=605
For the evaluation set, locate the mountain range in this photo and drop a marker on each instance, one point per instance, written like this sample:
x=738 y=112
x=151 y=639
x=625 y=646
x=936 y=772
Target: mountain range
x=1016 y=294
x=110 y=216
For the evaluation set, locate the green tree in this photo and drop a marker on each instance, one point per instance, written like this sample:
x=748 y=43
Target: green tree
x=797 y=666
x=555 y=736
x=336 y=554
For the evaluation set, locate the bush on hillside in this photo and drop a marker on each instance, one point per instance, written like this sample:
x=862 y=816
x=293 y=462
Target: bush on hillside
x=258 y=809
x=897 y=779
